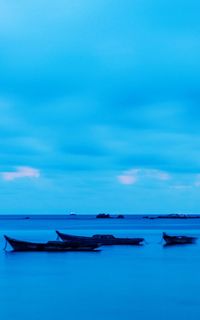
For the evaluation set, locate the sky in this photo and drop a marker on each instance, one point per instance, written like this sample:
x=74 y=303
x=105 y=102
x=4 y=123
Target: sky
x=99 y=106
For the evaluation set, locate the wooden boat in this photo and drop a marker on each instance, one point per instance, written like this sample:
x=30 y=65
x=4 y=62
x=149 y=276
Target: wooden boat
x=55 y=246
x=171 y=240
x=101 y=239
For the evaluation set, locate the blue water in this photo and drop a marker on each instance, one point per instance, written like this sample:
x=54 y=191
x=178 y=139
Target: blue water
x=148 y=282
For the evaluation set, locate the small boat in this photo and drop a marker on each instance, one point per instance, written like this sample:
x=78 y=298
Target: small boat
x=120 y=216
x=171 y=240
x=101 y=239
x=53 y=246
x=103 y=216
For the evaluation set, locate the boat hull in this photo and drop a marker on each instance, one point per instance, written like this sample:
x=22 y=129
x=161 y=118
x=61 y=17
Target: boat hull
x=101 y=240
x=178 y=240
x=50 y=246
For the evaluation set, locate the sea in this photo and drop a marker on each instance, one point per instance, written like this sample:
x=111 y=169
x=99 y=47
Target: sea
x=118 y=283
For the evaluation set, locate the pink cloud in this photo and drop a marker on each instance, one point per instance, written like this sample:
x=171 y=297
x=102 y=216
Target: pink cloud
x=21 y=172
x=127 y=179
x=133 y=175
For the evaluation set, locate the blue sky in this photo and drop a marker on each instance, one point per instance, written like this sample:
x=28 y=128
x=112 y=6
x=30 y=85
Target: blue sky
x=99 y=106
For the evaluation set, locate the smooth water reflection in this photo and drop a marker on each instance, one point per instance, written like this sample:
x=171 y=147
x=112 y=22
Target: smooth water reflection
x=147 y=282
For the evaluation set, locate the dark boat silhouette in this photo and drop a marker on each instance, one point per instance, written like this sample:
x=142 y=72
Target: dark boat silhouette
x=54 y=246
x=102 y=239
x=120 y=216
x=103 y=216
x=174 y=240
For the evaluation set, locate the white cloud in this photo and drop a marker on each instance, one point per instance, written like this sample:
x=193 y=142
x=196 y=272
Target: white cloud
x=21 y=172
x=132 y=176
x=129 y=177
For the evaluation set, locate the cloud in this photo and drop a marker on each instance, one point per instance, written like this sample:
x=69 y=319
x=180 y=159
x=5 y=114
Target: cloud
x=132 y=176
x=129 y=177
x=94 y=89
x=21 y=172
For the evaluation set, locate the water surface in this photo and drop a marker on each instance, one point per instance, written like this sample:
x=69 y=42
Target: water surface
x=120 y=282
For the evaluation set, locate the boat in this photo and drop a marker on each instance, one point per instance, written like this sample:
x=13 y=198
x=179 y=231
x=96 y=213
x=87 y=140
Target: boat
x=101 y=239
x=171 y=240
x=103 y=216
x=120 y=216
x=54 y=246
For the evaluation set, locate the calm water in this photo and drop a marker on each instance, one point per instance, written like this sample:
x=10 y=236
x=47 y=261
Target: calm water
x=148 y=282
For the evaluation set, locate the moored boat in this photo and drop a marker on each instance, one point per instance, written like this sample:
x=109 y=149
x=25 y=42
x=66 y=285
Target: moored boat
x=180 y=239
x=55 y=246
x=102 y=239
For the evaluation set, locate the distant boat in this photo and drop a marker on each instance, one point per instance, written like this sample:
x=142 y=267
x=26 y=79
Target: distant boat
x=103 y=216
x=55 y=246
x=171 y=240
x=72 y=214
x=102 y=239
x=120 y=216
